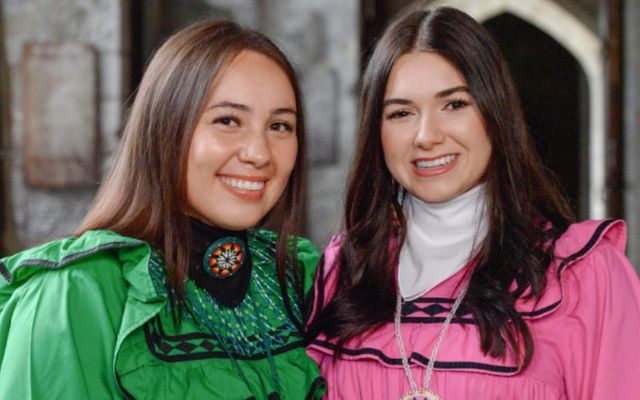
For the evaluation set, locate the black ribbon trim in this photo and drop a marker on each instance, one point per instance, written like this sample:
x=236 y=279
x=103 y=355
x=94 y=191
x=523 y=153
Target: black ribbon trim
x=450 y=365
x=4 y=271
x=157 y=337
x=315 y=386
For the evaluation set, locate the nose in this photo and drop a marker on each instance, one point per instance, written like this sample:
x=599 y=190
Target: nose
x=428 y=134
x=256 y=150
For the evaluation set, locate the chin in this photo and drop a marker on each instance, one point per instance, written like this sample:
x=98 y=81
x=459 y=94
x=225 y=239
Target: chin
x=239 y=225
x=435 y=197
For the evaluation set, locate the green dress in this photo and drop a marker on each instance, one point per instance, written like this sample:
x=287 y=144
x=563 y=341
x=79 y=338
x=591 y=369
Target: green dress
x=89 y=317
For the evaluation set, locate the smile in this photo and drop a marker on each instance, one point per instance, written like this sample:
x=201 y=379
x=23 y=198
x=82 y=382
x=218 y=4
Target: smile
x=243 y=184
x=436 y=162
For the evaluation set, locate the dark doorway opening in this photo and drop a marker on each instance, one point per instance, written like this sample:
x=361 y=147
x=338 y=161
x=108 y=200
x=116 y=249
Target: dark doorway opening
x=151 y=22
x=553 y=90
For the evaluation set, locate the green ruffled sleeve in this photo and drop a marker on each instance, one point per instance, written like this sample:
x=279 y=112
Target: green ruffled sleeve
x=308 y=257
x=58 y=331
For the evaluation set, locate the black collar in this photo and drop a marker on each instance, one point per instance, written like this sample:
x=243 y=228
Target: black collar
x=220 y=262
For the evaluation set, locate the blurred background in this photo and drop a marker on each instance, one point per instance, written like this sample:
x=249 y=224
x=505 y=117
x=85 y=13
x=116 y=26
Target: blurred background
x=69 y=67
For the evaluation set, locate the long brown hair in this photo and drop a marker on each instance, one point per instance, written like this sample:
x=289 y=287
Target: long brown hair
x=144 y=195
x=522 y=194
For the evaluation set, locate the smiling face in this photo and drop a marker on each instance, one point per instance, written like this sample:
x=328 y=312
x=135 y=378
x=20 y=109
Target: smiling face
x=244 y=145
x=433 y=134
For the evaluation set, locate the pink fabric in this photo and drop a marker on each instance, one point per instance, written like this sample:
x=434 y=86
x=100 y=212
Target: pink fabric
x=585 y=328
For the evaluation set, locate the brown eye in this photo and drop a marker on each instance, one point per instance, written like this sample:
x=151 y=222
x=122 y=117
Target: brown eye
x=398 y=114
x=227 y=121
x=281 y=127
x=456 y=104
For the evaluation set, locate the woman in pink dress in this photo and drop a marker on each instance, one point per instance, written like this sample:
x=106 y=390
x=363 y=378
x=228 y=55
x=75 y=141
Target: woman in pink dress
x=460 y=273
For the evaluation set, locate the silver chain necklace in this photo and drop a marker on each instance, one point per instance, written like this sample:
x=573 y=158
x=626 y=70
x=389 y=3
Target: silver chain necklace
x=424 y=392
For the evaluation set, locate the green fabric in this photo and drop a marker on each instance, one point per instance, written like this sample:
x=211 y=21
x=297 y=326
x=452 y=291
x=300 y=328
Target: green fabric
x=71 y=311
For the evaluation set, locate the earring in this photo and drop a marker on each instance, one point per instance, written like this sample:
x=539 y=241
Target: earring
x=400 y=193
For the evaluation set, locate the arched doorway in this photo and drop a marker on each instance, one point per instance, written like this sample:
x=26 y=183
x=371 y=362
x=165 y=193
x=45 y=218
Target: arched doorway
x=553 y=90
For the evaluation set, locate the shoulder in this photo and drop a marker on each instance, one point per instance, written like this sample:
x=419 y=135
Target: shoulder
x=74 y=290
x=593 y=266
x=592 y=248
x=96 y=257
x=589 y=264
x=74 y=281
x=582 y=238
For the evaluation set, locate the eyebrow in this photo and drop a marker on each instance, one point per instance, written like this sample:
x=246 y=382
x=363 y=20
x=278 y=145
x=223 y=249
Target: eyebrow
x=450 y=91
x=441 y=94
x=284 y=110
x=243 y=107
x=229 y=104
x=402 y=102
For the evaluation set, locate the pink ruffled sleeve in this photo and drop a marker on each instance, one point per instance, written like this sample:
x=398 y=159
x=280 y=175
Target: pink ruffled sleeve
x=602 y=333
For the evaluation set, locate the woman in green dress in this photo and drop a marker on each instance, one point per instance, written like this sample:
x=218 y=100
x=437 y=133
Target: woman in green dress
x=171 y=288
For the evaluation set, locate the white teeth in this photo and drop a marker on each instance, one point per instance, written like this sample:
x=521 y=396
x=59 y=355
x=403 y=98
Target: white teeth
x=438 y=162
x=241 y=184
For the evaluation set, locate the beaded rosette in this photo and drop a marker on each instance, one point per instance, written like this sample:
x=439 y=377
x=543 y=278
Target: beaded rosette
x=224 y=257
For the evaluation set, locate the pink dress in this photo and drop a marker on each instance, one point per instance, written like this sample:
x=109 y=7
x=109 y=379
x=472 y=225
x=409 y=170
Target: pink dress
x=586 y=330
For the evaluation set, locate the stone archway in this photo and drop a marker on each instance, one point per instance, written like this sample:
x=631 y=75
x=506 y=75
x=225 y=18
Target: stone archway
x=586 y=48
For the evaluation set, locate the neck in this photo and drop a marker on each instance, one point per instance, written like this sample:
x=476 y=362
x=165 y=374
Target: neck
x=203 y=229
x=441 y=239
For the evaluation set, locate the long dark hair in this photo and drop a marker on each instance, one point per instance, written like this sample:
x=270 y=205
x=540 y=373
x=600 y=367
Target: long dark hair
x=523 y=196
x=144 y=195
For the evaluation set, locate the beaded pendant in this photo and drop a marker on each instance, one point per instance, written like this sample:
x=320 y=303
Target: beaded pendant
x=224 y=257
x=422 y=394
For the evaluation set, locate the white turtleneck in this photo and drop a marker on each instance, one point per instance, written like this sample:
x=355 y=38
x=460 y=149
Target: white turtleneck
x=441 y=239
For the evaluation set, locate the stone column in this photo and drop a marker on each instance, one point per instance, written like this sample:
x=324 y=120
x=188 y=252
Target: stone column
x=7 y=231
x=631 y=137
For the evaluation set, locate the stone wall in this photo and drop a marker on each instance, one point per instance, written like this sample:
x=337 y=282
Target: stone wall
x=322 y=37
x=44 y=213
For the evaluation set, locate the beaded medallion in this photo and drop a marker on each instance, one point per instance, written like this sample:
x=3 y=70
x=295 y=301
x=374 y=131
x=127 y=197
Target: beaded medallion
x=224 y=257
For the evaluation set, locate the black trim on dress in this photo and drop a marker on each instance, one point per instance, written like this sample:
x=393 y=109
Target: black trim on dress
x=4 y=271
x=206 y=345
x=315 y=385
x=423 y=360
